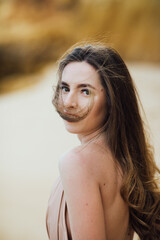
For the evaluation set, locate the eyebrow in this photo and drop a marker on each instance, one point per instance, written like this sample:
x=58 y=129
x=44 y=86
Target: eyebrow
x=79 y=85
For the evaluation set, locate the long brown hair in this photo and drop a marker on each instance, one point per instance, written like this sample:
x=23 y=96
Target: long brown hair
x=125 y=136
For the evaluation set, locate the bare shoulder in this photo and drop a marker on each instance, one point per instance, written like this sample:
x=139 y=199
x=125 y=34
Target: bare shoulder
x=91 y=160
x=75 y=161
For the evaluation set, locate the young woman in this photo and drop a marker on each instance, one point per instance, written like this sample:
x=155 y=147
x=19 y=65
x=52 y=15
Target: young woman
x=107 y=187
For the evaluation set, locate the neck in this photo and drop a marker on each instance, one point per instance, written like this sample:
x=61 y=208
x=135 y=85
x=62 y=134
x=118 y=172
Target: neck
x=96 y=135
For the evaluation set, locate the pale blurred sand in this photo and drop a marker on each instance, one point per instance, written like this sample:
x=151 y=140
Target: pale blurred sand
x=32 y=137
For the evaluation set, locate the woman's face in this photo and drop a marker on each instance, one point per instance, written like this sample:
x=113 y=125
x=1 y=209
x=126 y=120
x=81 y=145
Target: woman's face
x=81 y=94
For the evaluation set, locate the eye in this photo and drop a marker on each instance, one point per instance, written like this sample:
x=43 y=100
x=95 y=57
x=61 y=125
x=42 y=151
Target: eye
x=64 y=89
x=85 y=92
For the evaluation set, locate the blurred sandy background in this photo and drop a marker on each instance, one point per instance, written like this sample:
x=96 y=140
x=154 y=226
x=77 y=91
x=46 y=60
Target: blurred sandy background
x=33 y=34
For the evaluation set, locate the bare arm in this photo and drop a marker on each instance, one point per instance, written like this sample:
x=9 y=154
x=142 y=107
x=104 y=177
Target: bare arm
x=83 y=198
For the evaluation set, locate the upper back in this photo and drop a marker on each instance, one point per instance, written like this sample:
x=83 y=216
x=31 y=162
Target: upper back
x=108 y=174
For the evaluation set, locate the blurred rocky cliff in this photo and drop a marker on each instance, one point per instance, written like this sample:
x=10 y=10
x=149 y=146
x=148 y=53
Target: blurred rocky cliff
x=36 y=32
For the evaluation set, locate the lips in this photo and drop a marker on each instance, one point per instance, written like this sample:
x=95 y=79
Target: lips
x=70 y=114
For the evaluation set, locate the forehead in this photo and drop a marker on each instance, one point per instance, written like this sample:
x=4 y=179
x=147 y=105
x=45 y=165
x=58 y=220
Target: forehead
x=80 y=72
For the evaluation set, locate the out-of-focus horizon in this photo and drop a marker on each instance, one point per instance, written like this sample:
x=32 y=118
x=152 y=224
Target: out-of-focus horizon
x=36 y=32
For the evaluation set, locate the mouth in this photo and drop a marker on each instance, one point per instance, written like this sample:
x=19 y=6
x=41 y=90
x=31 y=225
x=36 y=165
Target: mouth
x=69 y=117
x=71 y=114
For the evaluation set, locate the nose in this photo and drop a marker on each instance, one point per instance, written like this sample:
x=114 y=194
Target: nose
x=70 y=100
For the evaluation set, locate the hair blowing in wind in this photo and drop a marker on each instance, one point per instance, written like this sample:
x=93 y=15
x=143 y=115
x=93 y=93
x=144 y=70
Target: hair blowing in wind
x=125 y=136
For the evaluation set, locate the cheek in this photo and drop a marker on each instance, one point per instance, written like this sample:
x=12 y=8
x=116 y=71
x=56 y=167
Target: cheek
x=100 y=109
x=100 y=114
x=85 y=101
x=96 y=117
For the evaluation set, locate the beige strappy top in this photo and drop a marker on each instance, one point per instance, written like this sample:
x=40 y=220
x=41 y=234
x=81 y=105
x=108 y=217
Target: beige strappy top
x=56 y=219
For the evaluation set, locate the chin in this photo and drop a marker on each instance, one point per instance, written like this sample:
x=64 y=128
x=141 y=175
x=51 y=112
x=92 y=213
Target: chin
x=71 y=127
x=73 y=131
